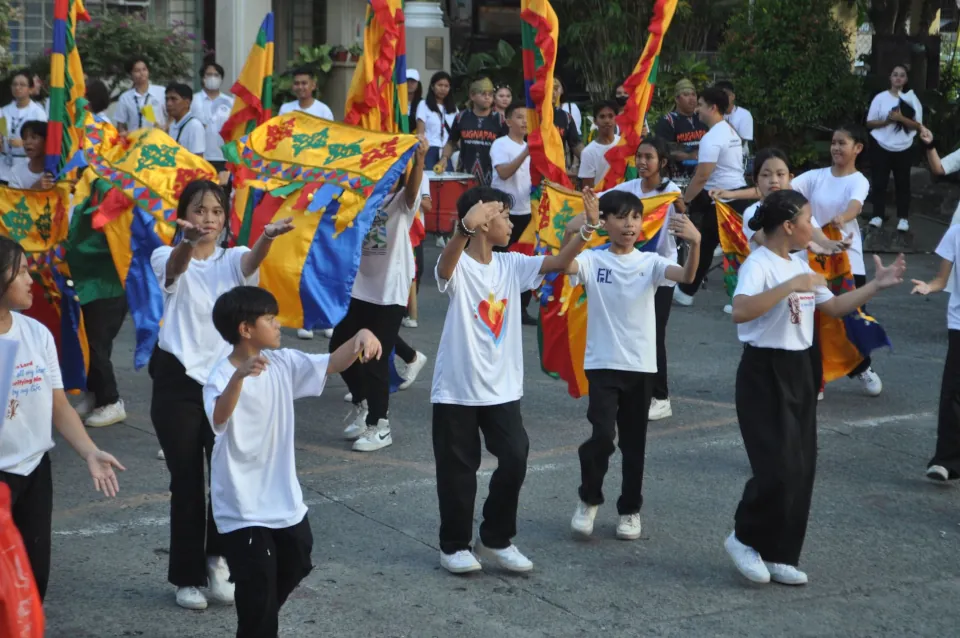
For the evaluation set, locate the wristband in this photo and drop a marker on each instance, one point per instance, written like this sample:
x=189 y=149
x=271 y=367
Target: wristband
x=930 y=146
x=589 y=233
x=269 y=236
x=592 y=227
x=463 y=230
x=188 y=242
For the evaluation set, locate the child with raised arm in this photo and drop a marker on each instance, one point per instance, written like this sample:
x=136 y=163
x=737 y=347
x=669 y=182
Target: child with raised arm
x=478 y=377
x=257 y=501
x=621 y=356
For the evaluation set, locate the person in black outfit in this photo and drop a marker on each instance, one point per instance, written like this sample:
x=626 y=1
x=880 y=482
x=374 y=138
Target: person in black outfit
x=475 y=130
x=682 y=128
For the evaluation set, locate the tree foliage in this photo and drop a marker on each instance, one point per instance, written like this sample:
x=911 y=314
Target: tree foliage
x=789 y=61
x=6 y=14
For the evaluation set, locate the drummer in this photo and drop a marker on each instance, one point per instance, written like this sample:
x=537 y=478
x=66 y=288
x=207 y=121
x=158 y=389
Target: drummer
x=474 y=130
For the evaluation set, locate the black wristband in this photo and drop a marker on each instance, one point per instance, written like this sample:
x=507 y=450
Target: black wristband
x=929 y=145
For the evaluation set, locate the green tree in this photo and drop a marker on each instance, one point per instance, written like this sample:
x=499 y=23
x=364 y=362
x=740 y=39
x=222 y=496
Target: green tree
x=789 y=61
x=6 y=14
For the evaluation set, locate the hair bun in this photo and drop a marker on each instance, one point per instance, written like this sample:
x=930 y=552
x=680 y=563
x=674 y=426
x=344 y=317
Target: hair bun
x=756 y=222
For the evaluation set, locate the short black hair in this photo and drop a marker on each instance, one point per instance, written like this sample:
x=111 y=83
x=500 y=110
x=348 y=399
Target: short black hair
x=304 y=70
x=132 y=62
x=479 y=194
x=243 y=304
x=207 y=65
x=619 y=204
x=36 y=127
x=715 y=96
x=98 y=96
x=765 y=155
x=180 y=89
x=726 y=85
x=513 y=105
x=605 y=104
x=22 y=72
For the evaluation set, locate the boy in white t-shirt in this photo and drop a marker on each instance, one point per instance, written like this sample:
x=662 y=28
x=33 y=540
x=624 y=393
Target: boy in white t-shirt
x=478 y=377
x=621 y=357
x=593 y=161
x=257 y=501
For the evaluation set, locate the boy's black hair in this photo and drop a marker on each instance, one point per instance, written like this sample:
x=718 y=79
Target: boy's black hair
x=243 y=304
x=513 y=107
x=304 y=70
x=479 y=194
x=132 y=62
x=619 y=204
x=715 y=96
x=21 y=72
x=98 y=96
x=726 y=85
x=605 y=104
x=36 y=127
x=207 y=65
x=180 y=89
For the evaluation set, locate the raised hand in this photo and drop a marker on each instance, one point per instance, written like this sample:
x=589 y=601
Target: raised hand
x=422 y=149
x=889 y=276
x=190 y=232
x=681 y=226
x=591 y=206
x=253 y=367
x=101 y=465
x=367 y=346
x=47 y=182
x=277 y=228
x=482 y=213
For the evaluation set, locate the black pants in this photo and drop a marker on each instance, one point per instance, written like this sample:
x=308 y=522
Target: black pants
x=777 y=409
x=520 y=223
x=456 y=450
x=619 y=400
x=266 y=565
x=662 y=302
x=860 y=281
x=884 y=162
x=418 y=260
x=404 y=350
x=704 y=208
x=31 y=502
x=185 y=435
x=103 y=319
x=948 y=421
x=370 y=381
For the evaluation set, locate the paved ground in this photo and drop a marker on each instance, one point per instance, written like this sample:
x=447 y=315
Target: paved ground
x=881 y=550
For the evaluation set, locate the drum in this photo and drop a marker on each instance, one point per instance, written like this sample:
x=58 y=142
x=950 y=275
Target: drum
x=445 y=190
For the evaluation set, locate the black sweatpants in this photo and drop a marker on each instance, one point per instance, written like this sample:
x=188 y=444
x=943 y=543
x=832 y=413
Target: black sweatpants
x=185 y=435
x=404 y=350
x=884 y=162
x=266 y=565
x=520 y=223
x=776 y=400
x=370 y=381
x=662 y=302
x=31 y=502
x=103 y=319
x=456 y=451
x=948 y=420
x=702 y=207
x=619 y=400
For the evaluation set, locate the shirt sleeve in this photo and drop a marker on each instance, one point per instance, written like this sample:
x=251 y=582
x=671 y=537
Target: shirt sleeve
x=585 y=272
x=747 y=132
x=750 y=279
x=195 y=135
x=803 y=183
x=235 y=255
x=498 y=154
x=873 y=113
x=446 y=286
x=588 y=167
x=455 y=130
x=709 y=150
x=121 y=115
x=308 y=372
x=951 y=163
x=861 y=189
x=52 y=360
x=158 y=261
x=660 y=270
x=212 y=389
x=527 y=269
x=948 y=246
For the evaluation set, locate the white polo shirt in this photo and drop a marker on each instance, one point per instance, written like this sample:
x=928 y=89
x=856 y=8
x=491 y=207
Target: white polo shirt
x=130 y=107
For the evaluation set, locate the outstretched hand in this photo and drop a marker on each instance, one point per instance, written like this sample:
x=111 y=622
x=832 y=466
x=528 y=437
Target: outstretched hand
x=591 y=206
x=190 y=232
x=277 y=228
x=920 y=287
x=101 y=465
x=889 y=276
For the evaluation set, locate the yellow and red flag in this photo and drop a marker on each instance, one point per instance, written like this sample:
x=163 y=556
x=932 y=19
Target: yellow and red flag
x=253 y=89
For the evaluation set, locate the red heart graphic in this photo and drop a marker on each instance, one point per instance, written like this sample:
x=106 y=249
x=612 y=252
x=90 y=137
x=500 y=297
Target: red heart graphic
x=491 y=313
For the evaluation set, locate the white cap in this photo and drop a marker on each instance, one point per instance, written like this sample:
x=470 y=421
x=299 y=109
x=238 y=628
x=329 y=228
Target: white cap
x=413 y=74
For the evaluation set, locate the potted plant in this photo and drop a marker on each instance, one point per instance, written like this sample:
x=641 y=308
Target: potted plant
x=339 y=54
x=355 y=51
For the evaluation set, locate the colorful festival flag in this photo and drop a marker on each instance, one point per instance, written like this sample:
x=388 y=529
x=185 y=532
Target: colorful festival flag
x=733 y=243
x=377 y=100
x=38 y=221
x=253 y=90
x=332 y=179
x=640 y=87
x=562 y=333
x=65 y=130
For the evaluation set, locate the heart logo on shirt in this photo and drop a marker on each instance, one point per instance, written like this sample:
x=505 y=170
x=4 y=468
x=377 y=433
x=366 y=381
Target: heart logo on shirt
x=491 y=314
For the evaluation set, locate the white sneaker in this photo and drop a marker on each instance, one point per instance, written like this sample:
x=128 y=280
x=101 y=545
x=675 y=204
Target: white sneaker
x=160 y=455
x=659 y=409
x=747 y=560
x=785 y=574
x=374 y=438
x=409 y=323
x=820 y=395
x=509 y=558
x=327 y=333
x=348 y=397
x=728 y=309
x=462 y=562
x=903 y=225
x=876 y=222
x=680 y=298
x=86 y=405
x=582 y=521
x=305 y=334
x=718 y=251
x=441 y=242
x=938 y=473
x=358 y=421
x=191 y=598
x=412 y=370
x=629 y=527
x=106 y=415
x=218 y=580
x=871 y=382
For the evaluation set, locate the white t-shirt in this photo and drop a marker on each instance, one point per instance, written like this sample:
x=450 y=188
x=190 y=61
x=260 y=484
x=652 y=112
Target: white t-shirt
x=889 y=137
x=749 y=233
x=949 y=249
x=951 y=164
x=574 y=111
x=789 y=324
x=480 y=357
x=21 y=176
x=317 y=109
x=253 y=473
x=742 y=121
x=130 y=107
x=504 y=151
x=621 y=322
x=437 y=135
x=386 y=260
x=829 y=196
x=592 y=161
x=667 y=243
x=190 y=134
x=213 y=114
x=722 y=146
x=187 y=330
x=16 y=117
x=27 y=430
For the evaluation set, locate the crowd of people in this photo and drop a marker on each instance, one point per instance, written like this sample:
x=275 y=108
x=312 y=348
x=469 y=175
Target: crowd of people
x=223 y=390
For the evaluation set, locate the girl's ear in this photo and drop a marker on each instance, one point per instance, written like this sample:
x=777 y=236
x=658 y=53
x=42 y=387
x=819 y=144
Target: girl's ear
x=857 y=148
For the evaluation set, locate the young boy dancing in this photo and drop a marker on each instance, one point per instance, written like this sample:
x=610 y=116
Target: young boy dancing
x=621 y=356
x=478 y=377
x=257 y=502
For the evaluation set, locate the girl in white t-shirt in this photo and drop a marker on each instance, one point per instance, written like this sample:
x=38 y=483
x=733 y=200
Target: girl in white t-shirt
x=37 y=402
x=378 y=303
x=435 y=116
x=192 y=274
x=776 y=388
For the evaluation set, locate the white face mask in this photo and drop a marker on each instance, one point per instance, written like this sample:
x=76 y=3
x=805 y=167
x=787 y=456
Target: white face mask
x=212 y=82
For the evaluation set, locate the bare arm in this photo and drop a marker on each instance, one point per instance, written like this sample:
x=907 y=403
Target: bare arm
x=179 y=261
x=480 y=214
x=421 y=128
x=99 y=463
x=363 y=347
x=851 y=213
x=936 y=284
x=508 y=169
x=250 y=262
x=683 y=229
x=704 y=171
x=412 y=189
x=873 y=124
x=843 y=305
x=751 y=192
x=749 y=307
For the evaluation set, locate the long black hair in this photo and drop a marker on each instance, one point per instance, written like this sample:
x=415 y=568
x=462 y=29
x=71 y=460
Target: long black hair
x=766 y=154
x=196 y=190
x=449 y=104
x=11 y=258
x=663 y=158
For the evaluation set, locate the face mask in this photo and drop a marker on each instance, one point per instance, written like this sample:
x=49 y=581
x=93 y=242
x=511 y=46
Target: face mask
x=621 y=100
x=212 y=82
